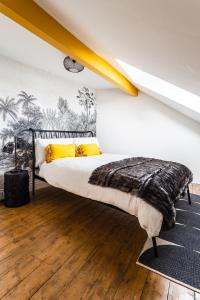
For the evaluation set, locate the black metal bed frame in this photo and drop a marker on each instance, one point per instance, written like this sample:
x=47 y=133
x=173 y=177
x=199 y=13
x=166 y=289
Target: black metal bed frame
x=47 y=134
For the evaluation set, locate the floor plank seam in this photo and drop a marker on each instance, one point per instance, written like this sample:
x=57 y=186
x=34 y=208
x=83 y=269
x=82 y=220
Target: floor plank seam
x=85 y=262
x=10 y=291
x=63 y=262
x=83 y=248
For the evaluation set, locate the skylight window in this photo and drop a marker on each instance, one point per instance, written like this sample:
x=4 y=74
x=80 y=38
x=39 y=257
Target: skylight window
x=162 y=87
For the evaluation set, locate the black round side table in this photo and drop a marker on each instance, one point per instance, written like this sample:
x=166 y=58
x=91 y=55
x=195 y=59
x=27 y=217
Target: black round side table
x=16 y=188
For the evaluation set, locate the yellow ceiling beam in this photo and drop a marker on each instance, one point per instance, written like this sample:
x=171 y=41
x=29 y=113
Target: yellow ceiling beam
x=31 y=16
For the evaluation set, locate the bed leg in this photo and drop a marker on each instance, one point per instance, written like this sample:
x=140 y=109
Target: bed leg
x=155 y=248
x=188 y=194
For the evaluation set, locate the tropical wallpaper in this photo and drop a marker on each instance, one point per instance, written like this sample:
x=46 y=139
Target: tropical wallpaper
x=25 y=111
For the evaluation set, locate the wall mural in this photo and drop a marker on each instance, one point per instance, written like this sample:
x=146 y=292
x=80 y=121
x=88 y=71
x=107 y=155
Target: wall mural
x=25 y=112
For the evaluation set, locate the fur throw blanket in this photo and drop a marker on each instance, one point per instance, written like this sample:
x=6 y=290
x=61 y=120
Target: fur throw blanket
x=160 y=183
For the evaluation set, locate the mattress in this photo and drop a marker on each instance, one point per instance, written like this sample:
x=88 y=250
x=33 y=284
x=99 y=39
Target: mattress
x=72 y=175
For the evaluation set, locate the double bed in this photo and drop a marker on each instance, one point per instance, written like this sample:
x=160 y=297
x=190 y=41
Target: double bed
x=73 y=174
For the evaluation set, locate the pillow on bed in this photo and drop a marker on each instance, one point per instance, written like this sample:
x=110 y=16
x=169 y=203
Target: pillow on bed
x=55 y=151
x=40 y=145
x=88 y=150
x=85 y=140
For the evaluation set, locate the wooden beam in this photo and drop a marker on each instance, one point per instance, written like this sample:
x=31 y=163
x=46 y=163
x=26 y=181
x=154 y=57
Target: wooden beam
x=31 y=16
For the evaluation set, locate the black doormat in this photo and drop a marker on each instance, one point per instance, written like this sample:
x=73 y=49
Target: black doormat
x=178 y=248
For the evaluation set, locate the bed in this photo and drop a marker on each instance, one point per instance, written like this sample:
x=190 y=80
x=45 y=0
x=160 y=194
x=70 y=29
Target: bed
x=72 y=175
x=76 y=175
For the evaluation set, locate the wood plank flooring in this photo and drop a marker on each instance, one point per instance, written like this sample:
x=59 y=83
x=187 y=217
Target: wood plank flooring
x=61 y=246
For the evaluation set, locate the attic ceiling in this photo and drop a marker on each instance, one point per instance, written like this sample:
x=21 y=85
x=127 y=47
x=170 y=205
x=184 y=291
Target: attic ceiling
x=158 y=37
x=21 y=45
x=161 y=38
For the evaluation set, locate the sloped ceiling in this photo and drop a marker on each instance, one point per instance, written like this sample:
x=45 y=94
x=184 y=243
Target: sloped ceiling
x=159 y=37
x=21 y=45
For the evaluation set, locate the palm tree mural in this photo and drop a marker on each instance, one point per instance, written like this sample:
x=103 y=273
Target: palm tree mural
x=63 y=106
x=26 y=113
x=8 y=107
x=50 y=120
x=68 y=119
x=87 y=100
x=6 y=134
x=26 y=100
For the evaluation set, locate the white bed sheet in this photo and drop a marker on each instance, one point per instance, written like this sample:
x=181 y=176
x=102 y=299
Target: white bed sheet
x=72 y=175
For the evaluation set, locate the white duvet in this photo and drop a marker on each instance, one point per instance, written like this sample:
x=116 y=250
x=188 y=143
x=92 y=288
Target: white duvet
x=72 y=175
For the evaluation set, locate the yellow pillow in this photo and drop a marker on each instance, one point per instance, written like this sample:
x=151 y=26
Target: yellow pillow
x=88 y=150
x=55 y=151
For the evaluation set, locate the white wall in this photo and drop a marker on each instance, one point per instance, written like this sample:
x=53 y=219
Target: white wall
x=46 y=88
x=143 y=126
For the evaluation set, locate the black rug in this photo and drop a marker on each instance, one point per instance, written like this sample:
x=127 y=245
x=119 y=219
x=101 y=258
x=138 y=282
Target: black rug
x=178 y=248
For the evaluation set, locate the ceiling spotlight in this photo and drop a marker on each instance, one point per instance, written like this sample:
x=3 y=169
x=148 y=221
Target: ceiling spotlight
x=72 y=65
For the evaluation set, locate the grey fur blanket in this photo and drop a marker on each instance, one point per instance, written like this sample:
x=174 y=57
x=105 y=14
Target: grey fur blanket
x=160 y=183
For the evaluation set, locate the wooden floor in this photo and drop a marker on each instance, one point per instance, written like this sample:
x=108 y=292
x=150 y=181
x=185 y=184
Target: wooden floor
x=61 y=246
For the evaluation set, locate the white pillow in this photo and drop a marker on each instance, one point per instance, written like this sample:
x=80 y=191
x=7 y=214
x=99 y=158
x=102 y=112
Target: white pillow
x=40 y=145
x=85 y=140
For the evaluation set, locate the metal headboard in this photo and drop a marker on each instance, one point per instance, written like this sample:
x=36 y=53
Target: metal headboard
x=44 y=134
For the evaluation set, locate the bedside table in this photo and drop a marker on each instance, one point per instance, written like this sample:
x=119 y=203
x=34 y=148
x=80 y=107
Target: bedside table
x=16 y=188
